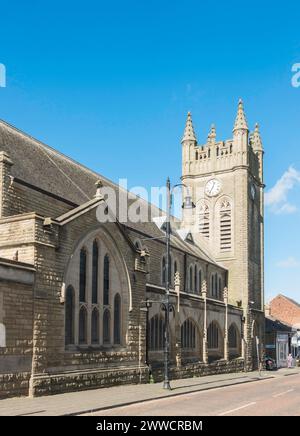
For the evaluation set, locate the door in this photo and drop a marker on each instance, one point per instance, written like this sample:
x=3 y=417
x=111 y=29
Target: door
x=282 y=352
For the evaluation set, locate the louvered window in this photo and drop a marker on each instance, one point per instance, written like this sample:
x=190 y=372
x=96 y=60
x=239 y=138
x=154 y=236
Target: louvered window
x=225 y=226
x=204 y=220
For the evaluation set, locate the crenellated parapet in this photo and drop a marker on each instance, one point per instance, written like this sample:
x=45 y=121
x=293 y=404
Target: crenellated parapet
x=215 y=156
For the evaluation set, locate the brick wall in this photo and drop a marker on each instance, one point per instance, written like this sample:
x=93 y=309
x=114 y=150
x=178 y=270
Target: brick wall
x=285 y=310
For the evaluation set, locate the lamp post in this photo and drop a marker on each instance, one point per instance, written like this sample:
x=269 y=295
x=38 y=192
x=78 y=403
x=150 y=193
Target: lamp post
x=166 y=384
x=188 y=204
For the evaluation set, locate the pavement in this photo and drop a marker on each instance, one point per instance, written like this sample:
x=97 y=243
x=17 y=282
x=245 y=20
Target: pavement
x=100 y=400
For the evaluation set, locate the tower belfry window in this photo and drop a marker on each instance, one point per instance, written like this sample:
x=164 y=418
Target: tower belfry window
x=204 y=220
x=225 y=226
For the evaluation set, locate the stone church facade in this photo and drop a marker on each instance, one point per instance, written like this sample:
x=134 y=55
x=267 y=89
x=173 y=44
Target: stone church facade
x=74 y=291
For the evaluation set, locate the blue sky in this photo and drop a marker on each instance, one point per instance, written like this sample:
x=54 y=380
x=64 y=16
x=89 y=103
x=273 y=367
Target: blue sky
x=109 y=83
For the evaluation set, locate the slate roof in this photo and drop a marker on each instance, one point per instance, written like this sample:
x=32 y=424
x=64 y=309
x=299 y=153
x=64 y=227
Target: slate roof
x=42 y=166
x=46 y=168
x=273 y=324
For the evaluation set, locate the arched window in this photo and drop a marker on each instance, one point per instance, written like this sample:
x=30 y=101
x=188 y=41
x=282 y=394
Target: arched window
x=106 y=280
x=156 y=333
x=117 y=320
x=196 y=279
x=196 y=154
x=151 y=328
x=95 y=326
x=217 y=149
x=175 y=267
x=225 y=226
x=232 y=336
x=212 y=288
x=106 y=327
x=216 y=286
x=82 y=275
x=213 y=336
x=95 y=273
x=200 y=280
x=102 y=283
x=204 y=220
x=2 y=335
x=191 y=278
x=69 y=315
x=188 y=335
x=164 y=271
x=82 y=325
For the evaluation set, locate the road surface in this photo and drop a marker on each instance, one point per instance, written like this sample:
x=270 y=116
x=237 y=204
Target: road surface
x=271 y=397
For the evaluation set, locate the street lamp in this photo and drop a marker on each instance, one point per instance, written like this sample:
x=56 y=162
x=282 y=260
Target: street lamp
x=188 y=204
x=167 y=307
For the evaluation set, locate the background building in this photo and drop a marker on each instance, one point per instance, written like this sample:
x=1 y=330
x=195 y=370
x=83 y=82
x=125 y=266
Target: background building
x=286 y=311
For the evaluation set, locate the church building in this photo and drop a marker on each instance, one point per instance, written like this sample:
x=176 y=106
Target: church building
x=81 y=299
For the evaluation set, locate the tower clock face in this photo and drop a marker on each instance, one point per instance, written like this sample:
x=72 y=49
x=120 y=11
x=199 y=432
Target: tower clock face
x=213 y=188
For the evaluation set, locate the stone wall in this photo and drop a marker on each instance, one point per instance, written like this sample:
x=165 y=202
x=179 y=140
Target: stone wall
x=88 y=379
x=16 y=314
x=49 y=328
x=200 y=369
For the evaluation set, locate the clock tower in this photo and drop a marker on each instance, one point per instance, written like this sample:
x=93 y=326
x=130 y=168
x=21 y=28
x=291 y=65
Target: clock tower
x=226 y=182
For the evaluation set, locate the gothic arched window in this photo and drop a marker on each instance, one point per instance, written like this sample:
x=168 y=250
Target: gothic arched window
x=213 y=336
x=106 y=280
x=232 y=336
x=82 y=325
x=188 y=335
x=2 y=335
x=95 y=326
x=216 y=286
x=200 y=280
x=106 y=327
x=117 y=319
x=175 y=267
x=82 y=276
x=191 y=278
x=204 y=220
x=95 y=273
x=93 y=309
x=156 y=333
x=69 y=315
x=196 y=279
x=225 y=226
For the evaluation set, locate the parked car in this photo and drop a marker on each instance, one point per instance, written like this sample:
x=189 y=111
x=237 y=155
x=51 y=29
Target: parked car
x=270 y=364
